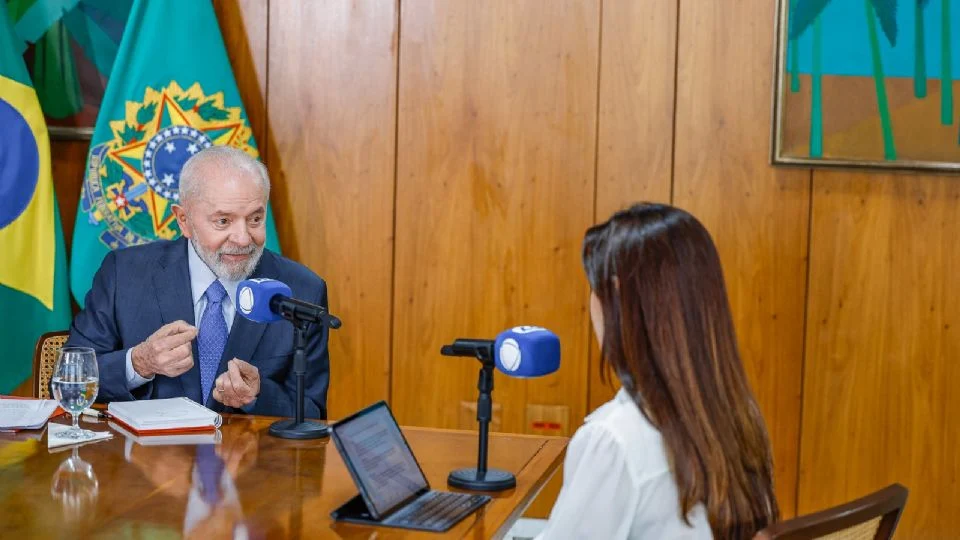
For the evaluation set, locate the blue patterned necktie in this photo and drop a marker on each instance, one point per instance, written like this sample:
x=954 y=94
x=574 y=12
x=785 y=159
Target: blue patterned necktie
x=212 y=337
x=210 y=469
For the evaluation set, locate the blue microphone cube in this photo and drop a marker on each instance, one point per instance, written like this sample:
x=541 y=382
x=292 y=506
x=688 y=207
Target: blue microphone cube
x=254 y=295
x=527 y=351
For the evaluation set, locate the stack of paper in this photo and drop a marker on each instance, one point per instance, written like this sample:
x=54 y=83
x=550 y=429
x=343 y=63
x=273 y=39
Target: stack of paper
x=204 y=437
x=163 y=416
x=25 y=413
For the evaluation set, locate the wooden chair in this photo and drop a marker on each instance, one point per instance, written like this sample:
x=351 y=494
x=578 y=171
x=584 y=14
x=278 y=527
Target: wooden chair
x=873 y=517
x=44 y=358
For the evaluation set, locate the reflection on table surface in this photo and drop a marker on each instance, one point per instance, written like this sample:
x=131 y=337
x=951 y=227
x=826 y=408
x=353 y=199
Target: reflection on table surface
x=237 y=483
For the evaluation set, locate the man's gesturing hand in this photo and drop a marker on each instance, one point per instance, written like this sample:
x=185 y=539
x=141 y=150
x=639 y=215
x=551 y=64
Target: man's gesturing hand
x=167 y=352
x=239 y=385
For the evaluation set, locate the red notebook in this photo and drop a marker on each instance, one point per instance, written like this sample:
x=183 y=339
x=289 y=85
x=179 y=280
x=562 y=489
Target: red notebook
x=163 y=416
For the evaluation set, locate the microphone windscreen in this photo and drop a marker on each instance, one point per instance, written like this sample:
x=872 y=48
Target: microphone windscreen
x=527 y=351
x=253 y=298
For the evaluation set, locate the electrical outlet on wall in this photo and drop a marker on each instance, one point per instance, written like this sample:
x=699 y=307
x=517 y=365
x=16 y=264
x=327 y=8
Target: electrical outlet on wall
x=548 y=420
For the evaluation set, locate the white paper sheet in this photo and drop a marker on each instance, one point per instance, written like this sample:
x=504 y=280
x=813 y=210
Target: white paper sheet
x=54 y=438
x=25 y=413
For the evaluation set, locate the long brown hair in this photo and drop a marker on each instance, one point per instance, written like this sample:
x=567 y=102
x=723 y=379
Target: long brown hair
x=668 y=335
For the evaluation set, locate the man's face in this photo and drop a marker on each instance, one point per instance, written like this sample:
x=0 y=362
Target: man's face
x=224 y=221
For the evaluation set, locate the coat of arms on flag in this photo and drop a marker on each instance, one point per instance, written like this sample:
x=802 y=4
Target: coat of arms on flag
x=171 y=93
x=133 y=180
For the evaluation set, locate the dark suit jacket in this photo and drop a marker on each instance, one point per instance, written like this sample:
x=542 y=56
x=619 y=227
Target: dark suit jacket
x=139 y=289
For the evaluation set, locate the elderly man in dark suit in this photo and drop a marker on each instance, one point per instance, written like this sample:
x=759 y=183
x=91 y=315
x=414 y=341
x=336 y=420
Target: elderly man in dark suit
x=162 y=316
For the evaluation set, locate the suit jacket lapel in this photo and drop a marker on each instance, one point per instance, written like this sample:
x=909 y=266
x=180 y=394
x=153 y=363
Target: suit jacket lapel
x=172 y=283
x=244 y=334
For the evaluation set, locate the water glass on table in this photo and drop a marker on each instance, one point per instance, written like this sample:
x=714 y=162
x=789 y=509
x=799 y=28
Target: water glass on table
x=75 y=384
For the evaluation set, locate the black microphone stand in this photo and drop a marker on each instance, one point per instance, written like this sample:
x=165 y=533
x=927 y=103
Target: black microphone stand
x=481 y=478
x=298 y=427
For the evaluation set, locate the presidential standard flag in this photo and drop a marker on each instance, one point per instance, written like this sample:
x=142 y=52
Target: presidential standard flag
x=33 y=268
x=170 y=94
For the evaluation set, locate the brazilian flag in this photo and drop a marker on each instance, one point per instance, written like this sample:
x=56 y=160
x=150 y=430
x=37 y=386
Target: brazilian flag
x=171 y=93
x=33 y=268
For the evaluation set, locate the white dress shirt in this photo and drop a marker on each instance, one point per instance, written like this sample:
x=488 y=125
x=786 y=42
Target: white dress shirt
x=617 y=482
x=201 y=277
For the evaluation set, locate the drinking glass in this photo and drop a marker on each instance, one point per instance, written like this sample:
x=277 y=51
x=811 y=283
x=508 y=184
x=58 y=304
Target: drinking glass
x=76 y=486
x=75 y=384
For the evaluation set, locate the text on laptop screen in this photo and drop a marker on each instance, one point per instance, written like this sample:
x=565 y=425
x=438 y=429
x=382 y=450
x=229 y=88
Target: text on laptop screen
x=381 y=459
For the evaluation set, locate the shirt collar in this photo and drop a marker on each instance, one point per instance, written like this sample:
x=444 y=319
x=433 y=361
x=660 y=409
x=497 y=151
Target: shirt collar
x=621 y=399
x=201 y=276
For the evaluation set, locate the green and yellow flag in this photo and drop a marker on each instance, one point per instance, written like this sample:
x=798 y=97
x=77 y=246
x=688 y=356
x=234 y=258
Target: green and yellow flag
x=170 y=94
x=33 y=267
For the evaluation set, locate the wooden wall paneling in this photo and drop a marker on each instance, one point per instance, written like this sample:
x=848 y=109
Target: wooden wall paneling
x=243 y=24
x=635 y=132
x=332 y=113
x=758 y=215
x=497 y=120
x=880 y=400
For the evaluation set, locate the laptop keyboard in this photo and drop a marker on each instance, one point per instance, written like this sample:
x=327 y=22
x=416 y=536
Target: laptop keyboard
x=437 y=510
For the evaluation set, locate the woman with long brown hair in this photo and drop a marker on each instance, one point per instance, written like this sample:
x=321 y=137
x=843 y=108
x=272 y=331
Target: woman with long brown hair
x=682 y=450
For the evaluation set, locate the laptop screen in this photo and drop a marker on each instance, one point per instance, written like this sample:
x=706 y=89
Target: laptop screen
x=377 y=455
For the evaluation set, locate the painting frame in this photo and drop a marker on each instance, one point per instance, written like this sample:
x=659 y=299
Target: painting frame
x=778 y=156
x=70 y=133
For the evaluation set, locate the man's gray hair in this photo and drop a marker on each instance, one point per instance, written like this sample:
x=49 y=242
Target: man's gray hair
x=219 y=157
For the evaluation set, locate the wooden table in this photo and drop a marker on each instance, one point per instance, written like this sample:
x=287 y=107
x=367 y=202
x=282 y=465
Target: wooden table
x=263 y=486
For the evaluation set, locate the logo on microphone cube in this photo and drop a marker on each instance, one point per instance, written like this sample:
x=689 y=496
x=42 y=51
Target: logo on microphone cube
x=245 y=299
x=527 y=329
x=510 y=355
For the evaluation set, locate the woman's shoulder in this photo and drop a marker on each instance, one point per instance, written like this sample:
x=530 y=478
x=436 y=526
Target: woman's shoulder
x=618 y=427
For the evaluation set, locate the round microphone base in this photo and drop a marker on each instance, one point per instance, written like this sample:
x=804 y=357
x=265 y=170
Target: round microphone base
x=492 y=480
x=290 y=429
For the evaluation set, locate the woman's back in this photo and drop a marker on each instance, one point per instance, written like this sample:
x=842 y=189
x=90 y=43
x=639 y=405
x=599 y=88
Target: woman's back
x=617 y=482
x=661 y=315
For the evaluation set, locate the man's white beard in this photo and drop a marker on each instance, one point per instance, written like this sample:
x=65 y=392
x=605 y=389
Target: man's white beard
x=227 y=271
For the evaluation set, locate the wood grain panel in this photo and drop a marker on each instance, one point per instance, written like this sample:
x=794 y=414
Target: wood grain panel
x=635 y=146
x=243 y=24
x=880 y=400
x=757 y=215
x=332 y=110
x=497 y=121
x=495 y=187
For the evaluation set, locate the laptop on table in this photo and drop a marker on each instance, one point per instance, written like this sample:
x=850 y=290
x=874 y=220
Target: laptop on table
x=393 y=490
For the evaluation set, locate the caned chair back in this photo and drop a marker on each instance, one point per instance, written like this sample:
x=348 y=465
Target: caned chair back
x=44 y=358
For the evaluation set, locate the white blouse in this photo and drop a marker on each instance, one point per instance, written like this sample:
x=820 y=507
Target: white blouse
x=617 y=482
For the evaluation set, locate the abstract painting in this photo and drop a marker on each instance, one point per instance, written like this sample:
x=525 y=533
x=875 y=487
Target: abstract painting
x=867 y=83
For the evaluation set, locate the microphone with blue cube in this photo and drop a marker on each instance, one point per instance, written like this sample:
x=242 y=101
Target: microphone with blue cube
x=523 y=352
x=264 y=301
x=268 y=300
x=527 y=351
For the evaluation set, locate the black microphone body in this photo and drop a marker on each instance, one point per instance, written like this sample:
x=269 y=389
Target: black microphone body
x=298 y=310
x=468 y=347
